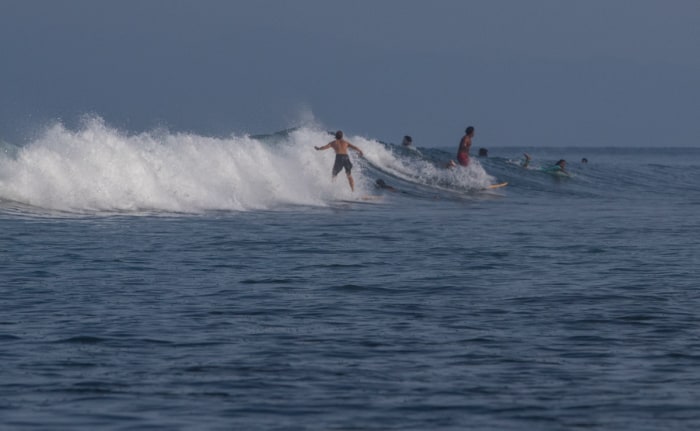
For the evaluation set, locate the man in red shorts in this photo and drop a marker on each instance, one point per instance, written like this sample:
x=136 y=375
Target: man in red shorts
x=464 y=146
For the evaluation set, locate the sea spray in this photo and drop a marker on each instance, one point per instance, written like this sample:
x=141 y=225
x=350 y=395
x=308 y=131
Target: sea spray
x=98 y=168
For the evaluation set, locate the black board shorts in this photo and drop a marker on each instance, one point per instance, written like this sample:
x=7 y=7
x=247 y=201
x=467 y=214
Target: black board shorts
x=342 y=161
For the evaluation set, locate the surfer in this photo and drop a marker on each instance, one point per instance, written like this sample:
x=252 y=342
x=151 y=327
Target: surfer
x=559 y=166
x=464 y=146
x=342 y=159
x=407 y=143
x=381 y=184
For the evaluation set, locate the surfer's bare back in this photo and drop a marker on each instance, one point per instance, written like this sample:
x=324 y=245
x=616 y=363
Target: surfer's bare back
x=342 y=159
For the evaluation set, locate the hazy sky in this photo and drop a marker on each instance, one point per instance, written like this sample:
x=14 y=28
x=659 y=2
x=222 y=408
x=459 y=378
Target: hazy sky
x=536 y=72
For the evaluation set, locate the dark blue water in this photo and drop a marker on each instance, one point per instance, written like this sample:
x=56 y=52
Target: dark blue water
x=552 y=304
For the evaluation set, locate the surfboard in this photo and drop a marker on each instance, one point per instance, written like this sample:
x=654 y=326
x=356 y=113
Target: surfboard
x=555 y=171
x=366 y=199
x=496 y=186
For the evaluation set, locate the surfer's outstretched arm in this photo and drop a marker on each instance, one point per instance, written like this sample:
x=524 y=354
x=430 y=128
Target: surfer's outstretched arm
x=356 y=149
x=325 y=147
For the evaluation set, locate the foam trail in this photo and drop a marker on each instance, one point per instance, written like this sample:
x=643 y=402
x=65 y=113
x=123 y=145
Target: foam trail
x=411 y=166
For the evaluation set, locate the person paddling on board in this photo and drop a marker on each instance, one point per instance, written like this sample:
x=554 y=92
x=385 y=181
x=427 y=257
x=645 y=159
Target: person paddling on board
x=342 y=159
x=381 y=184
x=559 y=166
x=464 y=146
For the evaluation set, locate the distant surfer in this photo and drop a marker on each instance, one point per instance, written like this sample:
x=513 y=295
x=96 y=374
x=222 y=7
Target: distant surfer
x=407 y=143
x=342 y=159
x=559 y=166
x=381 y=184
x=464 y=145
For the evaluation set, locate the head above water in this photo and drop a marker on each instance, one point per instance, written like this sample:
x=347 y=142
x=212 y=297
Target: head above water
x=469 y=130
x=561 y=163
x=339 y=134
x=407 y=140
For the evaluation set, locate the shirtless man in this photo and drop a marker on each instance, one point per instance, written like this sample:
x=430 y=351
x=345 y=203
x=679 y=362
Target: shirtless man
x=342 y=159
x=464 y=146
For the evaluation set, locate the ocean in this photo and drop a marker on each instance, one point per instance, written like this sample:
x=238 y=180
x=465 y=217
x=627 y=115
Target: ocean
x=171 y=281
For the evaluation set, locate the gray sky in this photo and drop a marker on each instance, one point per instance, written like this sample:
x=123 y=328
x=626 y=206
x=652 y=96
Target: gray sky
x=535 y=73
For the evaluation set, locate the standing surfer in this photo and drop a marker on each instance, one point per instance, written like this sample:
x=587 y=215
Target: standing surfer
x=464 y=146
x=342 y=159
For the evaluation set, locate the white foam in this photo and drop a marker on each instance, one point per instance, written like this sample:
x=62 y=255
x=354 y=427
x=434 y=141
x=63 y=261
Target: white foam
x=413 y=168
x=99 y=168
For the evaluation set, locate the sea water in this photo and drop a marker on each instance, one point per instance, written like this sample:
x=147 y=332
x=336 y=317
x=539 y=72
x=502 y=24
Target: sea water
x=173 y=281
